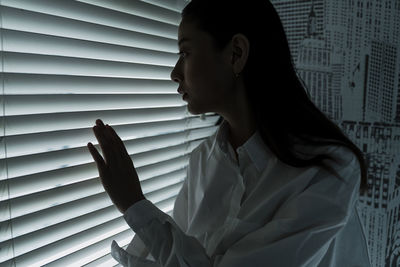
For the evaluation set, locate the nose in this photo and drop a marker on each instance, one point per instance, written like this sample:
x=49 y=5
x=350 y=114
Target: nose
x=175 y=74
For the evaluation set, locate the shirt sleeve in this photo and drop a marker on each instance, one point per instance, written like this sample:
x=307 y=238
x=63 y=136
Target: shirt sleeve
x=180 y=211
x=298 y=235
x=137 y=253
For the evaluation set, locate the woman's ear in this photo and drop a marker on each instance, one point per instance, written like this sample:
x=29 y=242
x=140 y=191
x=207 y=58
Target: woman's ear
x=240 y=52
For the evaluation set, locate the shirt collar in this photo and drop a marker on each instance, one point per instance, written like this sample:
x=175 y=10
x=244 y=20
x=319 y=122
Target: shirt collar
x=255 y=147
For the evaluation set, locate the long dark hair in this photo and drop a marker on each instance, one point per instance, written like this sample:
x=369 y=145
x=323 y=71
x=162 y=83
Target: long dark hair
x=272 y=84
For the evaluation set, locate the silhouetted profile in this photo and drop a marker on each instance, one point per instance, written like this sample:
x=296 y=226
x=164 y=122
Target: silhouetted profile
x=276 y=185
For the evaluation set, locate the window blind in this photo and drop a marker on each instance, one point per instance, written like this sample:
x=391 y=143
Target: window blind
x=63 y=65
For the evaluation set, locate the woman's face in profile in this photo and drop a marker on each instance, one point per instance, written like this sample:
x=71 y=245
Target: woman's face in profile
x=204 y=74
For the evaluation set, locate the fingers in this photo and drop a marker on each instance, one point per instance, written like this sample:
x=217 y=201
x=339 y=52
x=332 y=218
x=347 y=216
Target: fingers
x=117 y=139
x=113 y=149
x=121 y=157
x=104 y=141
x=96 y=155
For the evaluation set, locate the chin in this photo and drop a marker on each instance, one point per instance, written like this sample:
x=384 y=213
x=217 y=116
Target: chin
x=195 y=111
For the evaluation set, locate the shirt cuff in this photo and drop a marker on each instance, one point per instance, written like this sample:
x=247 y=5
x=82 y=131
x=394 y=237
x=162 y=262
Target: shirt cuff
x=141 y=213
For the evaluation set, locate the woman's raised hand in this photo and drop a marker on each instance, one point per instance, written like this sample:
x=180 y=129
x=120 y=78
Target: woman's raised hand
x=117 y=172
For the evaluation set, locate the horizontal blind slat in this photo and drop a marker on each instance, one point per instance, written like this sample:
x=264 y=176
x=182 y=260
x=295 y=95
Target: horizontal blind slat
x=33 y=43
x=57 y=65
x=29 y=184
x=103 y=259
x=29 y=144
x=41 y=245
x=22 y=20
x=168 y=4
x=79 y=11
x=43 y=219
x=56 y=179
x=70 y=53
x=140 y=9
x=31 y=84
x=66 y=246
x=36 y=123
x=86 y=255
x=56 y=196
x=96 y=255
x=26 y=165
x=46 y=104
x=42 y=162
x=20 y=145
x=64 y=212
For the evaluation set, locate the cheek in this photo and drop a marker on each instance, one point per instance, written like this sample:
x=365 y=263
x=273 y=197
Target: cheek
x=206 y=77
x=197 y=74
x=206 y=72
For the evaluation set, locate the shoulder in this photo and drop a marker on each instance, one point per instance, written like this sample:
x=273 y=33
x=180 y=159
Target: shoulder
x=342 y=161
x=342 y=157
x=343 y=154
x=344 y=164
x=340 y=154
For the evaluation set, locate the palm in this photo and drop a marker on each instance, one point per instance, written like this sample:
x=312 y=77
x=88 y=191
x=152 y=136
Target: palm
x=117 y=172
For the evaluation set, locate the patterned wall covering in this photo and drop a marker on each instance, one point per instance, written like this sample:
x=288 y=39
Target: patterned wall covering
x=348 y=54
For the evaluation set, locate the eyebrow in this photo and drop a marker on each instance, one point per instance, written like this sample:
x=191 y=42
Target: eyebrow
x=183 y=40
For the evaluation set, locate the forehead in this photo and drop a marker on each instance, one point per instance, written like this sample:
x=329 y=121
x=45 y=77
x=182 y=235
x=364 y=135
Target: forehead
x=188 y=32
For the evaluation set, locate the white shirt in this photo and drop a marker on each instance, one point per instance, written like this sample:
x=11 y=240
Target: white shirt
x=257 y=211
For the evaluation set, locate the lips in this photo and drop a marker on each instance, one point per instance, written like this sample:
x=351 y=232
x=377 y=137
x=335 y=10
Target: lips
x=180 y=91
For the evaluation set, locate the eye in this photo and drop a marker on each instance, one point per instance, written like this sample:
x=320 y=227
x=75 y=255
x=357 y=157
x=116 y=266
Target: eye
x=181 y=54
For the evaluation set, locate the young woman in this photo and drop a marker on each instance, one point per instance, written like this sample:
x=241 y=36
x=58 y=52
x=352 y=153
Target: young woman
x=276 y=185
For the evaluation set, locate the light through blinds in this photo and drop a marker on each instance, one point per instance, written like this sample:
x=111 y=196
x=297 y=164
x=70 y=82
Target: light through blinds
x=63 y=65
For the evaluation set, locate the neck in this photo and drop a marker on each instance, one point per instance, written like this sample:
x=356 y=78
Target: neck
x=239 y=133
x=237 y=112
